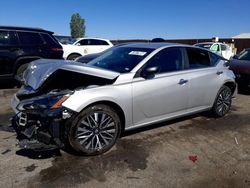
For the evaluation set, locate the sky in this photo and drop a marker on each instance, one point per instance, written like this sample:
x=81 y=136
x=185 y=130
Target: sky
x=133 y=19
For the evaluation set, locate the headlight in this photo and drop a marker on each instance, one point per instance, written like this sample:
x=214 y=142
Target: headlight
x=44 y=102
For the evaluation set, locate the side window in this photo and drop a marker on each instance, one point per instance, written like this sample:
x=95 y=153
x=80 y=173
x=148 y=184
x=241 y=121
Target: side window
x=97 y=42
x=83 y=42
x=198 y=58
x=223 y=47
x=30 y=38
x=215 y=48
x=102 y=42
x=214 y=59
x=168 y=60
x=8 y=38
x=48 y=39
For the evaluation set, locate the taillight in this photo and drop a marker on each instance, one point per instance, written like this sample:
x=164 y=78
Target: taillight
x=56 y=49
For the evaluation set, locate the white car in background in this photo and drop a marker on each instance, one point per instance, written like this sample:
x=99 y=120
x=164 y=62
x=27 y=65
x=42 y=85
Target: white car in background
x=220 y=48
x=84 y=46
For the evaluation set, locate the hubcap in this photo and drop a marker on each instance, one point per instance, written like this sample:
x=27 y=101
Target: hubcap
x=224 y=102
x=96 y=131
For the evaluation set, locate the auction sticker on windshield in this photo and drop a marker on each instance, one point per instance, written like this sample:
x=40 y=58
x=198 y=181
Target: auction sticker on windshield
x=139 y=53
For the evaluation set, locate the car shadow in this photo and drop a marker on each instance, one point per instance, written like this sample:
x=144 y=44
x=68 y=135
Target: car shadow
x=163 y=124
x=33 y=154
x=243 y=90
x=9 y=84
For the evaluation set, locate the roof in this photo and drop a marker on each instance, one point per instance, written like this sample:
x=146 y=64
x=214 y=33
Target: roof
x=25 y=29
x=152 y=45
x=96 y=38
x=242 y=36
x=210 y=43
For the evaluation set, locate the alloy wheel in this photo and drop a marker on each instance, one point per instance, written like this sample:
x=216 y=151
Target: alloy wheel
x=96 y=131
x=224 y=102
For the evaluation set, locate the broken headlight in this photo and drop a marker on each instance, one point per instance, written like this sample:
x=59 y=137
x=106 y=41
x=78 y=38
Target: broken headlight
x=49 y=101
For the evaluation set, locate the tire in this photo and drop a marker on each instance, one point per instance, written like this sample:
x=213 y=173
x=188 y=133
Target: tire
x=72 y=57
x=21 y=69
x=94 y=131
x=222 y=103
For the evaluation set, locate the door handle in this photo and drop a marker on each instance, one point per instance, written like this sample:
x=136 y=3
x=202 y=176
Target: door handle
x=219 y=72
x=182 y=82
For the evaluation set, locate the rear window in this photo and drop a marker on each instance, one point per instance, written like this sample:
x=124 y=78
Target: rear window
x=30 y=38
x=198 y=58
x=8 y=38
x=49 y=40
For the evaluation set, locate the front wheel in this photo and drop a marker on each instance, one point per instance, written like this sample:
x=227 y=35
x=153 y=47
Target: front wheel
x=222 y=102
x=21 y=69
x=95 y=130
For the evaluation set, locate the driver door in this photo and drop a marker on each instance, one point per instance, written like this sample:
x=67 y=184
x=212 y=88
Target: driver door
x=163 y=94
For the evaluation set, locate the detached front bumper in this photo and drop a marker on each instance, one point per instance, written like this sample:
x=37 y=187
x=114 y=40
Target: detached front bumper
x=40 y=130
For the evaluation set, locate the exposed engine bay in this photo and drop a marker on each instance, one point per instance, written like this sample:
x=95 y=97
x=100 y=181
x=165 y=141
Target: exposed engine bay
x=41 y=120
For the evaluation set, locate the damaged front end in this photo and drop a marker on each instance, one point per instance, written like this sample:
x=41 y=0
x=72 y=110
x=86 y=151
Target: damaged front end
x=40 y=120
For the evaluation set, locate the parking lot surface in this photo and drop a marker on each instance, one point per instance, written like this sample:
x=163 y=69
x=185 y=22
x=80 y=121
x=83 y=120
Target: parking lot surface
x=196 y=151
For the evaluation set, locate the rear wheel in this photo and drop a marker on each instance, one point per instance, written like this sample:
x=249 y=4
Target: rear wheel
x=72 y=57
x=95 y=130
x=222 y=102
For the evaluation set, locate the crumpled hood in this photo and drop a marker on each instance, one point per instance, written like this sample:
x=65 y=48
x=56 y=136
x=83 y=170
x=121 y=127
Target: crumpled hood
x=38 y=71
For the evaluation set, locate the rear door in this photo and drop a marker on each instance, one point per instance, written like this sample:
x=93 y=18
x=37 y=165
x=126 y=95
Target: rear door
x=166 y=93
x=31 y=43
x=9 y=50
x=204 y=78
x=51 y=48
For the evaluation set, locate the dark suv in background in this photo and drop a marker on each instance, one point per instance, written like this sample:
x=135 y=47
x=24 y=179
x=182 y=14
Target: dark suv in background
x=19 y=46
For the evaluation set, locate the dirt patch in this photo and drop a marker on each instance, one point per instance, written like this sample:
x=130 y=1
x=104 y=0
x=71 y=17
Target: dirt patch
x=30 y=168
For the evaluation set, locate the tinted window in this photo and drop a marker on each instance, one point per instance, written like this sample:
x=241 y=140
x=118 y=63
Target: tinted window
x=198 y=58
x=167 y=60
x=83 y=42
x=97 y=42
x=49 y=40
x=30 y=39
x=223 y=47
x=121 y=59
x=214 y=59
x=7 y=38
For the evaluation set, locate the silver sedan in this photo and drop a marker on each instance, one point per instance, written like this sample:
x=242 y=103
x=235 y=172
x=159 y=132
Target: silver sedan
x=127 y=87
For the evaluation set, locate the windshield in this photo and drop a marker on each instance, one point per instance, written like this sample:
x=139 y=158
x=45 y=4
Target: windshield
x=204 y=45
x=121 y=59
x=244 y=55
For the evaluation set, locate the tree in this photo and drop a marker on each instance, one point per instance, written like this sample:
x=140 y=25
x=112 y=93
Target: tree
x=77 y=26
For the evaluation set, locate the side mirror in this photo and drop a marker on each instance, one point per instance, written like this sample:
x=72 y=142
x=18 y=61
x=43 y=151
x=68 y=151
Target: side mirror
x=150 y=72
x=78 y=44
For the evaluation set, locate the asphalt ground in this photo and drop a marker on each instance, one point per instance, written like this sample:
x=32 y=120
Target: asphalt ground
x=195 y=151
